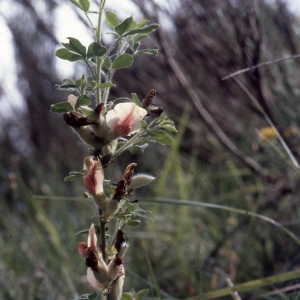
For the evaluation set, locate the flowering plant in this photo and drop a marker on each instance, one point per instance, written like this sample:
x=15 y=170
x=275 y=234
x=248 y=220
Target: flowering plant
x=110 y=127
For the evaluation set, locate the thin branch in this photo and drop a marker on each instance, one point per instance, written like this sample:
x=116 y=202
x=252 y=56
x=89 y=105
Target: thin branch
x=274 y=61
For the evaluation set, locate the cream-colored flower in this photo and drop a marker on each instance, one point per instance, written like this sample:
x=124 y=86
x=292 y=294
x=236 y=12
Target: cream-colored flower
x=125 y=119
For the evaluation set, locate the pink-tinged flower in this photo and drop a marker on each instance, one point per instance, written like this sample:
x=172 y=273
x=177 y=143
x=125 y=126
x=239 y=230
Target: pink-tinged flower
x=97 y=272
x=93 y=175
x=125 y=119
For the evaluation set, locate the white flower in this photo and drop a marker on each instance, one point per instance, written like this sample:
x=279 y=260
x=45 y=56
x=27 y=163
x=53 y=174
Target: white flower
x=125 y=119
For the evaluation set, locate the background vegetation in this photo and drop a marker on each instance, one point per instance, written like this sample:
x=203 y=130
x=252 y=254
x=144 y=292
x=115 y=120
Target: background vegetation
x=217 y=157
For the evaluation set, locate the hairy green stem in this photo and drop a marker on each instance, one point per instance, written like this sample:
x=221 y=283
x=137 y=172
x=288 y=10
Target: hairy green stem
x=127 y=145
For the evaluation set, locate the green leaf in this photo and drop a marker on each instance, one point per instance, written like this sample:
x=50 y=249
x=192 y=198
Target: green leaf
x=105 y=85
x=95 y=49
x=79 y=173
x=107 y=63
x=166 y=140
x=144 y=124
x=150 y=51
x=63 y=53
x=136 y=99
x=160 y=136
x=156 y=133
x=134 y=45
x=92 y=84
x=138 y=149
x=90 y=113
x=124 y=26
x=111 y=19
x=143 y=216
x=66 y=86
x=144 y=30
x=77 y=47
x=140 y=294
x=140 y=37
x=123 y=61
x=61 y=107
x=169 y=127
x=85 y=4
x=83 y=100
x=142 y=23
x=134 y=223
x=72 y=177
x=68 y=80
x=127 y=296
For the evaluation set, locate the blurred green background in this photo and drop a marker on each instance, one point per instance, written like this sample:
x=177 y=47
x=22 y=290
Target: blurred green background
x=217 y=156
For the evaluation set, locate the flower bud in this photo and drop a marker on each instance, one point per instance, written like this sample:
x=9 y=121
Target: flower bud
x=111 y=207
x=116 y=287
x=101 y=200
x=139 y=180
x=114 y=267
x=100 y=272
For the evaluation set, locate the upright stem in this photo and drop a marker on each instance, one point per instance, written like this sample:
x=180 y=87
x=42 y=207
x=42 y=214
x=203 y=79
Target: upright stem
x=99 y=61
x=102 y=224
